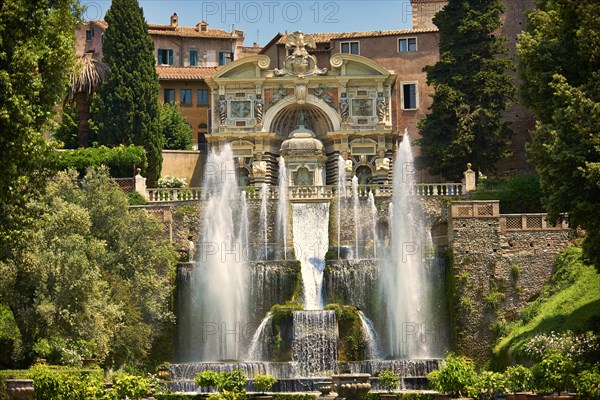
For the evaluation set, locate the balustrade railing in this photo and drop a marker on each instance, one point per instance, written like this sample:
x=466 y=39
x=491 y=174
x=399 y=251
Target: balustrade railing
x=325 y=192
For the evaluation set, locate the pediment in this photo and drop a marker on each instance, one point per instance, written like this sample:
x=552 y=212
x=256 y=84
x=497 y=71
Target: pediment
x=244 y=68
x=354 y=65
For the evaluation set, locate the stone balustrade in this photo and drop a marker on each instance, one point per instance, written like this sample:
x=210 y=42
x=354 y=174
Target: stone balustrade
x=306 y=193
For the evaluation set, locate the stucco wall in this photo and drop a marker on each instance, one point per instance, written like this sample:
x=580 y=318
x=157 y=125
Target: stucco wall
x=186 y=164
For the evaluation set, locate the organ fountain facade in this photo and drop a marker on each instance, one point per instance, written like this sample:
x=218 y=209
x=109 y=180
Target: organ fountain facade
x=343 y=110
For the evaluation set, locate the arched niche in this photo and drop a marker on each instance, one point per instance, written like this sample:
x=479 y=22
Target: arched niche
x=283 y=117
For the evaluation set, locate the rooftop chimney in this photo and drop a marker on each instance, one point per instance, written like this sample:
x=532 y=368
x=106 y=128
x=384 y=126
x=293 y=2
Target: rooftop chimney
x=174 y=20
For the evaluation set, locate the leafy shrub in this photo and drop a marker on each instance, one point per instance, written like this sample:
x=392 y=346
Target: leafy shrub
x=207 y=378
x=176 y=132
x=67 y=385
x=130 y=386
x=489 y=383
x=520 y=194
x=264 y=383
x=120 y=160
x=171 y=182
x=231 y=385
x=518 y=379
x=587 y=384
x=566 y=343
x=136 y=199
x=388 y=380
x=554 y=373
x=456 y=377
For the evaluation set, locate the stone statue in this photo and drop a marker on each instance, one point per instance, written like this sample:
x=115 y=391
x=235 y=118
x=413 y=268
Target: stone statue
x=222 y=107
x=299 y=62
x=259 y=166
x=382 y=163
x=258 y=110
x=348 y=165
x=381 y=108
x=323 y=95
x=343 y=108
x=280 y=95
x=301 y=119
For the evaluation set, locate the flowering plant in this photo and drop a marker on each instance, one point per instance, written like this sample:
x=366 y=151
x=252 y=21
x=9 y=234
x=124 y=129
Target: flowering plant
x=172 y=182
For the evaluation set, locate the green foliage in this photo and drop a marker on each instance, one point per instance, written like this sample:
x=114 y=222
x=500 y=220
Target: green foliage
x=350 y=331
x=264 y=383
x=231 y=385
x=518 y=379
x=67 y=385
x=519 y=194
x=402 y=396
x=9 y=337
x=472 y=90
x=554 y=373
x=66 y=131
x=36 y=54
x=128 y=110
x=91 y=273
x=175 y=130
x=388 y=380
x=489 y=383
x=587 y=384
x=136 y=199
x=127 y=386
x=560 y=70
x=121 y=160
x=571 y=301
x=456 y=377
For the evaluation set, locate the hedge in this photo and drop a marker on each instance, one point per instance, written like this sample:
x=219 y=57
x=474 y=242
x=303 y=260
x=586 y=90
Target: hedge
x=120 y=160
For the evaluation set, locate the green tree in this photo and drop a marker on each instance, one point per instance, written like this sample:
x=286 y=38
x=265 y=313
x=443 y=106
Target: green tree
x=560 y=68
x=472 y=89
x=90 y=271
x=36 y=54
x=66 y=130
x=128 y=103
x=176 y=132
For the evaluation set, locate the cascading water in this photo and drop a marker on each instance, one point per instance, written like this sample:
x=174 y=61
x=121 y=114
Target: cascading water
x=258 y=346
x=373 y=210
x=264 y=194
x=355 y=209
x=411 y=323
x=370 y=336
x=283 y=211
x=310 y=222
x=315 y=341
x=341 y=192
x=217 y=291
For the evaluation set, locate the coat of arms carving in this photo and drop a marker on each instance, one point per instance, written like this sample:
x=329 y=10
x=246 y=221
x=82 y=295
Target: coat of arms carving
x=300 y=63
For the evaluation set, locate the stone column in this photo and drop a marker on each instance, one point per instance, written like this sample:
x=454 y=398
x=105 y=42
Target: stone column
x=469 y=179
x=140 y=184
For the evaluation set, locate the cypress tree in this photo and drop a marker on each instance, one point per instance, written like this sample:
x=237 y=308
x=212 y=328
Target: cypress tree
x=472 y=89
x=128 y=110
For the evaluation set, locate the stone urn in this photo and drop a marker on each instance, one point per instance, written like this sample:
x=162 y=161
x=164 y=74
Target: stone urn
x=19 y=389
x=351 y=386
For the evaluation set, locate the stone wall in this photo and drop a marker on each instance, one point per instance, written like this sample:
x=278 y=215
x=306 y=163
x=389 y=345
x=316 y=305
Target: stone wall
x=496 y=268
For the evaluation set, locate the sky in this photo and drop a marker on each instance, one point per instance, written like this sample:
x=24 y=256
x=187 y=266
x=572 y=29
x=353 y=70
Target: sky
x=261 y=20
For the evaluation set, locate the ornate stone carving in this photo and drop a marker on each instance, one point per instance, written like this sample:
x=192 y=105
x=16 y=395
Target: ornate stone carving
x=222 y=108
x=343 y=108
x=300 y=92
x=259 y=166
x=280 y=95
x=300 y=63
x=323 y=95
x=381 y=108
x=258 y=110
x=382 y=163
x=348 y=165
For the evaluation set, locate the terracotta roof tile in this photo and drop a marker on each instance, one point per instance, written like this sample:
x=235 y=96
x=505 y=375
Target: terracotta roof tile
x=327 y=37
x=168 y=30
x=184 y=73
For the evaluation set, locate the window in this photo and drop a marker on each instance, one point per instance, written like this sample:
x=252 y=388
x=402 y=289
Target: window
x=169 y=96
x=89 y=35
x=186 y=96
x=349 y=47
x=193 y=58
x=225 y=58
x=165 y=56
x=409 y=96
x=202 y=97
x=407 y=44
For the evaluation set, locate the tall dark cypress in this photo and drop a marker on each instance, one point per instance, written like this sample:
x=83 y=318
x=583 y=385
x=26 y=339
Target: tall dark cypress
x=128 y=111
x=472 y=89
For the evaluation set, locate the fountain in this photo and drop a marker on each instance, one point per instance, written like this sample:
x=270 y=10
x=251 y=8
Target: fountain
x=226 y=296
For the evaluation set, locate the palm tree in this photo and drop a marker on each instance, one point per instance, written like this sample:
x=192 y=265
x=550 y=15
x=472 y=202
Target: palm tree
x=84 y=81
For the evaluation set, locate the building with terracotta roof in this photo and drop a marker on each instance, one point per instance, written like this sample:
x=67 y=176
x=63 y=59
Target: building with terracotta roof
x=184 y=57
